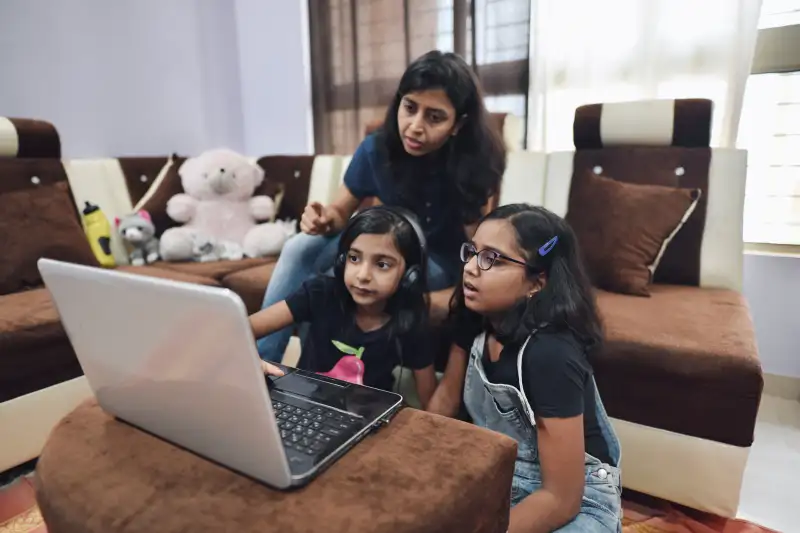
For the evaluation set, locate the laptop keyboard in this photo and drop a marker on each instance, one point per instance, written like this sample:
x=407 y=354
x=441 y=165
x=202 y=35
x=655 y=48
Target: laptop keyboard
x=311 y=431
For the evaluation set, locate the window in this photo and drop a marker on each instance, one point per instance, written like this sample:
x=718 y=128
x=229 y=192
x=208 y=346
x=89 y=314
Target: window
x=634 y=50
x=770 y=129
x=777 y=13
x=501 y=40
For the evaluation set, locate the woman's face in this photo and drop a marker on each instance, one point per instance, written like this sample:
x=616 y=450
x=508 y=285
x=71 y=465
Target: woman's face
x=426 y=120
x=498 y=289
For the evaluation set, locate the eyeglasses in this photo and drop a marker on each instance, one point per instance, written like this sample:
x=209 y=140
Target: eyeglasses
x=486 y=258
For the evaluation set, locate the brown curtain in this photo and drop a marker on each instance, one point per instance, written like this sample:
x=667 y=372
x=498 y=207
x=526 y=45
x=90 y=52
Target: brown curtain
x=360 y=48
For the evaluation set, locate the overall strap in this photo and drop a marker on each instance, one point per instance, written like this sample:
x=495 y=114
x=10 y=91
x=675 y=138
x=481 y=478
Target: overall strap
x=523 y=397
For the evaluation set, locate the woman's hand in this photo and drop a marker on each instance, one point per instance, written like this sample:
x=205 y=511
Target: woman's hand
x=321 y=219
x=316 y=220
x=270 y=369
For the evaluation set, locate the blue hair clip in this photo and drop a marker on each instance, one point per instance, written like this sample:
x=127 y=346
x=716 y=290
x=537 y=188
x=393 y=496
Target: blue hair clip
x=546 y=247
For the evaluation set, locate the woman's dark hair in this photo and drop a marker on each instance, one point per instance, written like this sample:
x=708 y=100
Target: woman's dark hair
x=408 y=307
x=473 y=160
x=567 y=299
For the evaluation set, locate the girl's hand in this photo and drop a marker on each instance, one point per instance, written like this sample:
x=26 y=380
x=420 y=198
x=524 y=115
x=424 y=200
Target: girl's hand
x=314 y=220
x=270 y=369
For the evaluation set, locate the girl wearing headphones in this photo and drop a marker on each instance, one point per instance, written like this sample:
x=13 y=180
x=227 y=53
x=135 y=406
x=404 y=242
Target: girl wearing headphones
x=374 y=307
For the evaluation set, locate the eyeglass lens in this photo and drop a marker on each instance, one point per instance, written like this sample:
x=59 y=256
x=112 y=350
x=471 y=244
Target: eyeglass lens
x=486 y=258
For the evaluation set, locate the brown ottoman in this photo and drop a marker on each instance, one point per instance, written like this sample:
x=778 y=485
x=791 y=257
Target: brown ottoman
x=421 y=473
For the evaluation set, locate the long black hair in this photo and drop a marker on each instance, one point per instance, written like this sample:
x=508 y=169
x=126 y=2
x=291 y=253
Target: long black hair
x=473 y=160
x=565 y=302
x=408 y=307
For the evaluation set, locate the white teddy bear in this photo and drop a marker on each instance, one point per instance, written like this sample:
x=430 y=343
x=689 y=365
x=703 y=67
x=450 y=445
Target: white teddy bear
x=219 y=213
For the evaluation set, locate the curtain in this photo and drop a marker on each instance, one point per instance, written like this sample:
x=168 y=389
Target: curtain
x=360 y=49
x=584 y=51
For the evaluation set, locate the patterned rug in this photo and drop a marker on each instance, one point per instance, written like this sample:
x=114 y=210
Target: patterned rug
x=18 y=510
x=646 y=514
x=643 y=514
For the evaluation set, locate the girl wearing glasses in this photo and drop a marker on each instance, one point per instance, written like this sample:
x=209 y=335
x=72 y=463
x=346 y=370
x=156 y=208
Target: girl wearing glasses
x=526 y=323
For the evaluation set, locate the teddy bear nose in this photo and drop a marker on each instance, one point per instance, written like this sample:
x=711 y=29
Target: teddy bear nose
x=222 y=170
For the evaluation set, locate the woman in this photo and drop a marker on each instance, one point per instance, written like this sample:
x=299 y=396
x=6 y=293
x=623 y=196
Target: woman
x=435 y=155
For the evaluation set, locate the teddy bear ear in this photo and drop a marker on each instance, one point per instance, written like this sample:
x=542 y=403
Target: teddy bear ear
x=145 y=215
x=116 y=221
x=189 y=166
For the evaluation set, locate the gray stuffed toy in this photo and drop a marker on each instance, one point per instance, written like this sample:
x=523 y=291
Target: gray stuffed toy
x=138 y=231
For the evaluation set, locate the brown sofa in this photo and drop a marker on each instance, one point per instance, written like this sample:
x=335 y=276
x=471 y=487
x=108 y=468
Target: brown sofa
x=40 y=378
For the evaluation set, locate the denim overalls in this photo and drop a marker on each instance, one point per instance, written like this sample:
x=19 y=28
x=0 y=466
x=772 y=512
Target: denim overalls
x=505 y=409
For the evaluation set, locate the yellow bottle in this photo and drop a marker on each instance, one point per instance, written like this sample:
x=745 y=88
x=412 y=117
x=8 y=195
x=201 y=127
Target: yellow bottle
x=98 y=230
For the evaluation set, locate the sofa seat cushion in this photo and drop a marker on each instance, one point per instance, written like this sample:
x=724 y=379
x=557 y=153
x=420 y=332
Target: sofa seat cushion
x=684 y=360
x=175 y=275
x=250 y=284
x=215 y=269
x=34 y=350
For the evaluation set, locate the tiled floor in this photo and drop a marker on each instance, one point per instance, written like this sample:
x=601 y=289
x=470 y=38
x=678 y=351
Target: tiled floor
x=770 y=495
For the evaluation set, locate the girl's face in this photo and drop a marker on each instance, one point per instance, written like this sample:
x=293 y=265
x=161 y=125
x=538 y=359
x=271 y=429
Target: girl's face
x=426 y=120
x=498 y=289
x=373 y=269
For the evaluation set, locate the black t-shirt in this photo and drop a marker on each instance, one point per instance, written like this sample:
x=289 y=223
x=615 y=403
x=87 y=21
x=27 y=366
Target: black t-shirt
x=557 y=379
x=317 y=304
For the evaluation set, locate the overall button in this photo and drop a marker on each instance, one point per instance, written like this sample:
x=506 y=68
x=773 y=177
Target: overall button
x=602 y=473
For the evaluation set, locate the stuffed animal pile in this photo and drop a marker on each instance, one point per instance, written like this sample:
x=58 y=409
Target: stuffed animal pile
x=221 y=218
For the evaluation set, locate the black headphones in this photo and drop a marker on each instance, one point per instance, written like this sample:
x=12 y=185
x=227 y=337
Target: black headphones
x=412 y=277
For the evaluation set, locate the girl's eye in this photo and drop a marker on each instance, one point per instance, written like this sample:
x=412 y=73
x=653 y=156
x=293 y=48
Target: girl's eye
x=435 y=118
x=353 y=258
x=408 y=106
x=383 y=265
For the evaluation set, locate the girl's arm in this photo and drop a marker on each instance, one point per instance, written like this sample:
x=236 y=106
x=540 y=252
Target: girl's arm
x=561 y=451
x=446 y=399
x=425 y=381
x=271 y=319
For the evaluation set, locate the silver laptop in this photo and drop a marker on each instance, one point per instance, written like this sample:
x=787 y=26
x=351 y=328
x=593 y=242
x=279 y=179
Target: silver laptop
x=179 y=361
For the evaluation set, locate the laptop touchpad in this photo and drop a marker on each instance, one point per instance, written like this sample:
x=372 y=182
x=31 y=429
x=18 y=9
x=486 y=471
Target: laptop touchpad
x=309 y=387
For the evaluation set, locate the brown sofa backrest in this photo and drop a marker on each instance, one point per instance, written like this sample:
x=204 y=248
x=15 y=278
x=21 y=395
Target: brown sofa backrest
x=38 y=215
x=28 y=138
